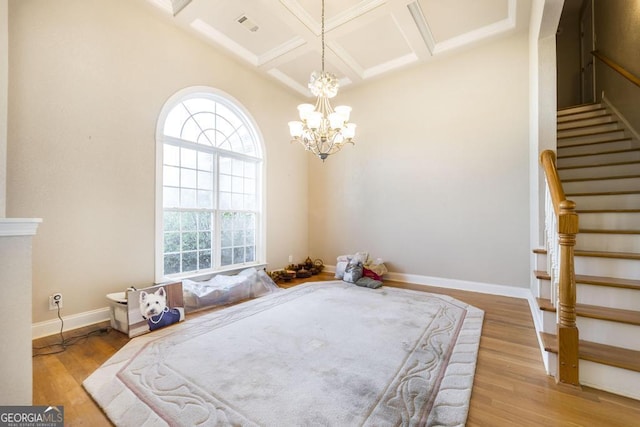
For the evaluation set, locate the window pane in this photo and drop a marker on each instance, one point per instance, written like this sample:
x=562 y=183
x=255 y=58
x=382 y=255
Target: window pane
x=237 y=167
x=205 y=199
x=188 y=198
x=225 y=165
x=171 y=155
x=190 y=131
x=250 y=254
x=189 y=241
x=189 y=261
x=171 y=242
x=225 y=183
x=204 y=240
x=225 y=239
x=224 y=127
x=232 y=117
x=188 y=177
x=249 y=186
x=175 y=119
x=237 y=201
x=189 y=221
x=170 y=197
x=249 y=170
x=250 y=237
x=188 y=158
x=195 y=105
x=226 y=257
x=172 y=264
x=249 y=202
x=225 y=201
x=205 y=181
x=237 y=184
x=205 y=161
x=171 y=176
x=238 y=255
x=171 y=221
x=238 y=221
x=204 y=258
x=238 y=237
x=250 y=221
x=204 y=221
x=227 y=220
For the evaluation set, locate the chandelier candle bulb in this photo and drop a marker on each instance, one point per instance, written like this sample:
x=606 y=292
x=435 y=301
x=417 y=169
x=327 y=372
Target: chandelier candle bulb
x=344 y=111
x=295 y=128
x=305 y=110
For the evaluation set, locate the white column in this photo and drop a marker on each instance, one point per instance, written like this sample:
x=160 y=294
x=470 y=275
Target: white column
x=4 y=89
x=16 y=368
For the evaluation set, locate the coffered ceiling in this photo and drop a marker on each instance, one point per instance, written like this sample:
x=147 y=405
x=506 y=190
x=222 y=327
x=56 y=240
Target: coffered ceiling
x=364 y=38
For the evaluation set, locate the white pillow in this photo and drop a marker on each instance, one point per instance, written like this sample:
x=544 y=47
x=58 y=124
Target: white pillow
x=341 y=266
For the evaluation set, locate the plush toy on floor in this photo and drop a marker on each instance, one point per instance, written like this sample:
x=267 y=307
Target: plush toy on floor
x=154 y=309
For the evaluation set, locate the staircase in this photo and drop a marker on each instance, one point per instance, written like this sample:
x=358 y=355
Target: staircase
x=598 y=162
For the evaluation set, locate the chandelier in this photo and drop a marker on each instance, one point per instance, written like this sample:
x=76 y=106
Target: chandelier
x=322 y=129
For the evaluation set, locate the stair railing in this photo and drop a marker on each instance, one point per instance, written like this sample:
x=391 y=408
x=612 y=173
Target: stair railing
x=561 y=225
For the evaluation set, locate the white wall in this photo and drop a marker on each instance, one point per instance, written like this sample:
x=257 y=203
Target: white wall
x=87 y=81
x=437 y=184
x=617 y=25
x=4 y=86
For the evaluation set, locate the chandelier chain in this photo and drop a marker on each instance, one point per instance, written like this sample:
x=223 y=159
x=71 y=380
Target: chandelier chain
x=322 y=36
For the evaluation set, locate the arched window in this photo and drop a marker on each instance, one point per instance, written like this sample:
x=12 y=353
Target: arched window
x=208 y=186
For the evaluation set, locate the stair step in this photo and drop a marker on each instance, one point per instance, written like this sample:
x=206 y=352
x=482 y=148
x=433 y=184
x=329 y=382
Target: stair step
x=601 y=178
x=598 y=353
x=614 y=156
x=581 y=130
x=630 y=317
x=609 y=240
x=590 y=135
x=581 y=122
x=607 y=183
x=575 y=147
x=605 y=254
x=581 y=143
x=609 y=218
x=603 y=193
x=598 y=153
x=574 y=109
x=596 y=112
x=607 y=200
x=604 y=231
x=599 y=165
x=614 y=282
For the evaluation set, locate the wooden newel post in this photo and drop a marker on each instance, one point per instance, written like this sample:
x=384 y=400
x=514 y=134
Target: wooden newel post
x=567 y=332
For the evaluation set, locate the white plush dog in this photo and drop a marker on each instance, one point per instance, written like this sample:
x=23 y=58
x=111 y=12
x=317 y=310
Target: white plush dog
x=154 y=309
x=152 y=304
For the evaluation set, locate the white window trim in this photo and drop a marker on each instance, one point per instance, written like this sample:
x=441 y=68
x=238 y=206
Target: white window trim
x=260 y=252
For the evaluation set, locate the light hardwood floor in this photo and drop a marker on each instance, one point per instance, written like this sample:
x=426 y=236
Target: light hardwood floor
x=510 y=386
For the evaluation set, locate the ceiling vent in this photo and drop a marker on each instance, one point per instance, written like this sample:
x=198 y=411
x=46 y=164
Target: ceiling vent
x=249 y=24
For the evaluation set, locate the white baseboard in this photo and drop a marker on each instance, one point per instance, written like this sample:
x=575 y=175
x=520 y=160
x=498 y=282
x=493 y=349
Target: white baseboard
x=462 y=285
x=74 y=321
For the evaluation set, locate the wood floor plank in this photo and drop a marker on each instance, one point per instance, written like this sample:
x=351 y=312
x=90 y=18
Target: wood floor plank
x=510 y=384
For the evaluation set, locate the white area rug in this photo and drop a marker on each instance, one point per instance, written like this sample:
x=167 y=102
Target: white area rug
x=328 y=353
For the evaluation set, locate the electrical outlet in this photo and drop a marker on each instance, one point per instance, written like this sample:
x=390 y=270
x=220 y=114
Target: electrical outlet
x=290 y=259
x=55 y=301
